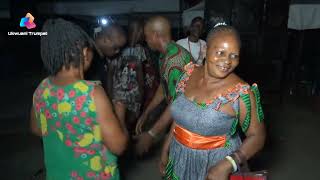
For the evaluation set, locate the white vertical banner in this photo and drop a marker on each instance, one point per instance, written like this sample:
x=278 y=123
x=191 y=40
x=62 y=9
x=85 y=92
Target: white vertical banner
x=304 y=14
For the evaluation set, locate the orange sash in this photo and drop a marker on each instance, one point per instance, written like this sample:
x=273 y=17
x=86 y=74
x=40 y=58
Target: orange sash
x=196 y=141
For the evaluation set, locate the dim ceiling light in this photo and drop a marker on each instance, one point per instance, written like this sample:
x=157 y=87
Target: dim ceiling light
x=104 y=21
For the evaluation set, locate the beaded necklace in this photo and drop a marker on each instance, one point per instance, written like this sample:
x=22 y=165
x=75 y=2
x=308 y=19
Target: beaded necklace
x=199 y=51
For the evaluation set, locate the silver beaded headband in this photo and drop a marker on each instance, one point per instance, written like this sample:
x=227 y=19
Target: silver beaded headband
x=220 y=24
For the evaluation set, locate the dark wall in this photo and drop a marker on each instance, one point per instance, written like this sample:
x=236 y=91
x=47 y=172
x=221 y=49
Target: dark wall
x=23 y=51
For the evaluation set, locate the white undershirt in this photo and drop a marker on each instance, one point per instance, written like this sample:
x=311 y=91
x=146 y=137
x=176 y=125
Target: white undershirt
x=194 y=48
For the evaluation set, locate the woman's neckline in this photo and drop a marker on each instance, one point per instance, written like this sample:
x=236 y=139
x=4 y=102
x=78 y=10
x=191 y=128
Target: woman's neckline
x=50 y=82
x=190 y=68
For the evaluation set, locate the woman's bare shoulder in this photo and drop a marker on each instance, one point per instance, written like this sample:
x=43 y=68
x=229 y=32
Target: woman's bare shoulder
x=235 y=80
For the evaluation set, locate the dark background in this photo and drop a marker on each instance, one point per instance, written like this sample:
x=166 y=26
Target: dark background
x=284 y=62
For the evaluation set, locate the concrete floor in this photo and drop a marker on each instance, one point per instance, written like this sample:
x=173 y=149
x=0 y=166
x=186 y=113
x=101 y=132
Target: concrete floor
x=291 y=151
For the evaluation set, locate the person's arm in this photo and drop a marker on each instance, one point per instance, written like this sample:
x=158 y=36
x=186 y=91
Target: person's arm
x=156 y=100
x=163 y=122
x=256 y=134
x=146 y=138
x=114 y=134
x=165 y=150
x=35 y=129
x=120 y=112
x=254 y=142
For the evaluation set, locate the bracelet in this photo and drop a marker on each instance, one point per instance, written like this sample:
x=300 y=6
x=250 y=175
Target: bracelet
x=234 y=165
x=152 y=134
x=236 y=158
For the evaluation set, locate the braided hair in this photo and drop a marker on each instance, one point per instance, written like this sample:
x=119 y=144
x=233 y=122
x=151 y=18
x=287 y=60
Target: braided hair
x=63 y=45
x=218 y=25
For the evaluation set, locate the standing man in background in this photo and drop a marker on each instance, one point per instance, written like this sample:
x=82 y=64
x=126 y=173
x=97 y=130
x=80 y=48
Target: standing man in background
x=193 y=43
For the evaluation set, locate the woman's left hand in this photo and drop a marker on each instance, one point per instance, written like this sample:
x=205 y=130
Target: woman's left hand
x=220 y=171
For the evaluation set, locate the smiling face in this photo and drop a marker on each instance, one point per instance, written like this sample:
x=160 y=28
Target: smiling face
x=222 y=54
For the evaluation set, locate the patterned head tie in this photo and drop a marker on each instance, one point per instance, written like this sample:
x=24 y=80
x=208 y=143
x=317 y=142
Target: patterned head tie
x=220 y=24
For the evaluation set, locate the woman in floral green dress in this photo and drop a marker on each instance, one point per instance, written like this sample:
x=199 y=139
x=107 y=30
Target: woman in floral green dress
x=81 y=135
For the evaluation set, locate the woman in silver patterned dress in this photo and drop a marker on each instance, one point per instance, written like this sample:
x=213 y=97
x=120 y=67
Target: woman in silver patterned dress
x=203 y=142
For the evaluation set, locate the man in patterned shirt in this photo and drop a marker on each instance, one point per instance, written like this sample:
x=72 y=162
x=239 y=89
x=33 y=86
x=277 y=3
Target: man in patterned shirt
x=172 y=60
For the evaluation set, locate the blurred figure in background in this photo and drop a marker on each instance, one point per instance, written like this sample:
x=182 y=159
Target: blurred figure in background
x=128 y=86
x=81 y=135
x=193 y=43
